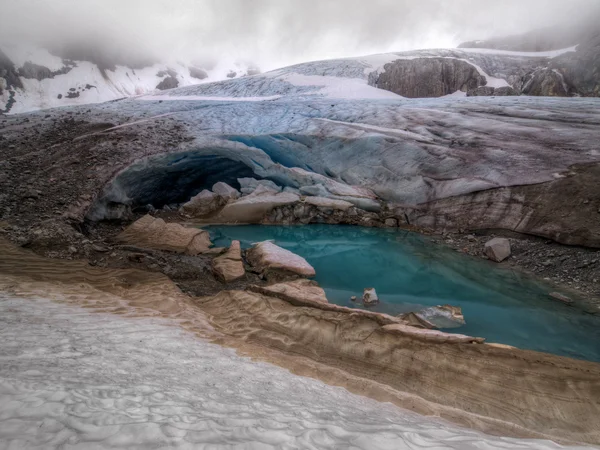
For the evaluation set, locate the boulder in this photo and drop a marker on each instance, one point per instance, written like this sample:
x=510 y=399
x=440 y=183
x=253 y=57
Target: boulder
x=253 y=208
x=272 y=261
x=545 y=82
x=391 y=222
x=370 y=297
x=203 y=204
x=497 y=249
x=248 y=185
x=151 y=232
x=442 y=316
x=229 y=266
x=225 y=191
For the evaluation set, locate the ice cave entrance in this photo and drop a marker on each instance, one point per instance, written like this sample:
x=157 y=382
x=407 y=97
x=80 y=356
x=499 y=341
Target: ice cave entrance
x=410 y=272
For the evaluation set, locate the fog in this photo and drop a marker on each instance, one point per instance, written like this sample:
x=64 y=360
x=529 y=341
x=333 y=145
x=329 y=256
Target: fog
x=272 y=33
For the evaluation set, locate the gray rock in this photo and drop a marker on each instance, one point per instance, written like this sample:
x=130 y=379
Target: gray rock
x=497 y=249
x=561 y=297
x=225 y=191
x=370 y=297
x=203 y=204
x=391 y=222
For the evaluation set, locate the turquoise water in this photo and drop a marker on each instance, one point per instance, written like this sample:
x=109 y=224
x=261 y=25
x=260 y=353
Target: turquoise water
x=409 y=272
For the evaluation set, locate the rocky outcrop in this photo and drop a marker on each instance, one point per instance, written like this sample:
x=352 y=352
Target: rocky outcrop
x=150 y=232
x=429 y=77
x=580 y=68
x=274 y=262
x=545 y=82
x=229 y=266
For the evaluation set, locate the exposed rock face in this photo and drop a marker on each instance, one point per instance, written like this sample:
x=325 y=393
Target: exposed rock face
x=545 y=82
x=203 y=204
x=370 y=297
x=229 y=266
x=225 y=191
x=580 y=68
x=497 y=249
x=272 y=261
x=169 y=82
x=155 y=233
x=429 y=77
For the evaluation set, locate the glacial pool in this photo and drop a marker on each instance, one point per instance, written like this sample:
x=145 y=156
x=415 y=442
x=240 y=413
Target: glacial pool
x=410 y=272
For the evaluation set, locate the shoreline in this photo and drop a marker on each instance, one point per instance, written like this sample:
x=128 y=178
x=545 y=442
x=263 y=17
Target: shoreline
x=362 y=355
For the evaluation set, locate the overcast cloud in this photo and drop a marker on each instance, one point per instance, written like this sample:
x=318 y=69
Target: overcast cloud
x=274 y=33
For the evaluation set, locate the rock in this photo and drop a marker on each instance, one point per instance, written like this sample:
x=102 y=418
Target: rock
x=391 y=223
x=488 y=91
x=482 y=91
x=561 y=297
x=328 y=203
x=150 y=232
x=545 y=82
x=296 y=292
x=272 y=261
x=370 y=297
x=229 y=266
x=429 y=77
x=225 y=191
x=505 y=91
x=203 y=204
x=353 y=298
x=248 y=185
x=497 y=249
x=253 y=208
x=443 y=316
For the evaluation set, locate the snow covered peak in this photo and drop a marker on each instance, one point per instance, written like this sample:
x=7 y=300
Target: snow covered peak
x=33 y=78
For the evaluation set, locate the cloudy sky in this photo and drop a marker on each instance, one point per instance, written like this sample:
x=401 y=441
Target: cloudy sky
x=273 y=33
